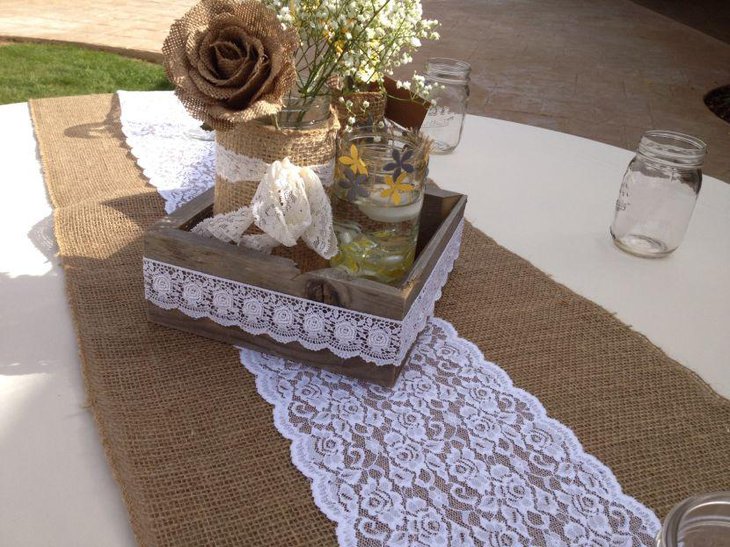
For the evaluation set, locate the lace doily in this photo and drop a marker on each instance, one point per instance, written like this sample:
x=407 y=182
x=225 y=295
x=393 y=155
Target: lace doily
x=454 y=455
x=287 y=319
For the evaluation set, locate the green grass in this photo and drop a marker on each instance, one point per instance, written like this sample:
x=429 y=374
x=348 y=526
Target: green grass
x=44 y=70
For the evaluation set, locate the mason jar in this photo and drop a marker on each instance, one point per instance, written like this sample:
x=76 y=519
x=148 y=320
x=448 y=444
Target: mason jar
x=376 y=201
x=658 y=193
x=445 y=118
x=700 y=521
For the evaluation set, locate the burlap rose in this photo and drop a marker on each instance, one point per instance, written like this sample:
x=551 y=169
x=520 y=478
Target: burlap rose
x=230 y=62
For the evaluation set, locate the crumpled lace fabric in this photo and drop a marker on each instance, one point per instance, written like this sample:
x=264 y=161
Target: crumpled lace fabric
x=454 y=455
x=227 y=227
x=231 y=228
x=290 y=203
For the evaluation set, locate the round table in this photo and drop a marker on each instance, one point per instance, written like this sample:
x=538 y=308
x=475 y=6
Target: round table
x=544 y=195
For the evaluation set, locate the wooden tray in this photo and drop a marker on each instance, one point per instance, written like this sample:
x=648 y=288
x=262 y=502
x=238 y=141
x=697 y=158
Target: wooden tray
x=169 y=241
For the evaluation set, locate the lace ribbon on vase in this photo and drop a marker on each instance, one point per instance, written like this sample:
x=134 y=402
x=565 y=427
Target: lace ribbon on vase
x=454 y=455
x=233 y=166
x=290 y=203
x=287 y=318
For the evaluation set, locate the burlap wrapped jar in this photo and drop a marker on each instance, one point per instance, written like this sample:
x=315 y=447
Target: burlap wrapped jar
x=373 y=113
x=244 y=154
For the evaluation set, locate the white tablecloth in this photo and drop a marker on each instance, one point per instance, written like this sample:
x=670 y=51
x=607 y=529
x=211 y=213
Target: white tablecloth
x=544 y=195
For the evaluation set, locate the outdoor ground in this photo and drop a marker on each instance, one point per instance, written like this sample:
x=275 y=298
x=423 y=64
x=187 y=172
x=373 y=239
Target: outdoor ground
x=605 y=69
x=52 y=70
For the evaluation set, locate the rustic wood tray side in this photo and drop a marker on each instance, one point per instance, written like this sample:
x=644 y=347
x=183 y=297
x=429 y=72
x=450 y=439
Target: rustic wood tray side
x=170 y=241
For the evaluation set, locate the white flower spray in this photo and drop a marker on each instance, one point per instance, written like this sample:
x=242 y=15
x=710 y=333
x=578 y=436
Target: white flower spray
x=358 y=42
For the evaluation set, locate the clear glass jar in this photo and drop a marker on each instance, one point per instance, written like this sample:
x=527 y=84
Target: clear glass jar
x=301 y=112
x=700 y=521
x=658 y=194
x=376 y=204
x=445 y=119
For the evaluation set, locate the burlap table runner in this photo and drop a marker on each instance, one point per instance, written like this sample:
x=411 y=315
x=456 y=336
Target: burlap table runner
x=194 y=447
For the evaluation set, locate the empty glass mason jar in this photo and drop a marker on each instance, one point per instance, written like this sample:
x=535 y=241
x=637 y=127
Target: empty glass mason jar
x=445 y=119
x=658 y=193
x=700 y=521
x=376 y=200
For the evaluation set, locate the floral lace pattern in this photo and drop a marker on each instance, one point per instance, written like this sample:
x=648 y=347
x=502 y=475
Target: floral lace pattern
x=287 y=318
x=454 y=455
x=176 y=156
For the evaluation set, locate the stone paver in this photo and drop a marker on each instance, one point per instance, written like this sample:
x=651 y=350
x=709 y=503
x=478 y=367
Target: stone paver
x=605 y=69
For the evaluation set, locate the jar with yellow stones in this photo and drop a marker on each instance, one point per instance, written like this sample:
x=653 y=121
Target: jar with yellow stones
x=377 y=198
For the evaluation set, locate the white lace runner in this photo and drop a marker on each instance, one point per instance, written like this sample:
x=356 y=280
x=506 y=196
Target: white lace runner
x=287 y=319
x=453 y=455
x=168 y=144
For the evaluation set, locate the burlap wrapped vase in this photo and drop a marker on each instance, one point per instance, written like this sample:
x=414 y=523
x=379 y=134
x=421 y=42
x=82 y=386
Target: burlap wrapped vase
x=244 y=154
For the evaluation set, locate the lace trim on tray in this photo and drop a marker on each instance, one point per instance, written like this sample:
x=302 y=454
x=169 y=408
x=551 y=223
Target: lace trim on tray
x=287 y=318
x=453 y=455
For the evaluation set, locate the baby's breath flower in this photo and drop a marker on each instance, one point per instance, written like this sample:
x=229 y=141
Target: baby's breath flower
x=356 y=40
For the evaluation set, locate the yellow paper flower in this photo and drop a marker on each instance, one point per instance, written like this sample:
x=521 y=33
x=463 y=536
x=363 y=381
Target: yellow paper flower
x=354 y=161
x=395 y=187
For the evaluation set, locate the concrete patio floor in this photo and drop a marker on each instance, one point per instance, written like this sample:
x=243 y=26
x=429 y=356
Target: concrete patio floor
x=607 y=69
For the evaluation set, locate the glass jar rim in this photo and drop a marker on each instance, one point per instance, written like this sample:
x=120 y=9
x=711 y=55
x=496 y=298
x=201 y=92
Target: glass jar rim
x=366 y=140
x=301 y=112
x=371 y=133
x=670 y=531
x=446 y=69
x=672 y=148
